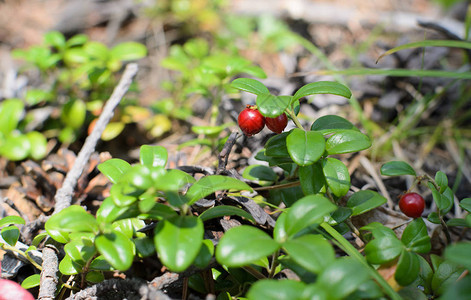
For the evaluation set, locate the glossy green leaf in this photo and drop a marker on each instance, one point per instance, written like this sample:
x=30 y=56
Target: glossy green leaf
x=225 y=210
x=258 y=244
x=204 y=256
x=178 y=241
x=342 y=277
x=276 y=145
x=153 y=156
x=445 y=276
x=71 y=219
x=365 y=200
x=109 y=211
x=116 y=248
x=112 y=130
x=459 y=253
x=397 y=168
x=100 y=264
x=276 y=289
x=443 y=201
x=159 y=211
x=10 y=234
x=312 y=252
x=336 y=175
x=77 y=40
x=441 y=180
x=383 y=249
x=138 y=176
x=305 y=147
x=15 y=147
x=128 y=51
x=323 y=87
x=73 y=113
x=11 y=111
x=39 y=238
x=212 y=131
x=272 y=106
x=259 y=173
x=174 y=180
x=307 y=211
x=10 y=220
x=94 y=276
x=31 y=281
x=69 y=267
x=434 y=218
x=466 y=204
x=312 y=179
x=332 y=123
x=96 y=50
x=250 y=85
x=38 y=144
x=340 y=215
x=212 y=183
x=347 y=141
x=114 y=168
x=144 y=246
x=123 y=194
x=379 y=230
x=80 y=250
x=55 y=38
x=408 y=268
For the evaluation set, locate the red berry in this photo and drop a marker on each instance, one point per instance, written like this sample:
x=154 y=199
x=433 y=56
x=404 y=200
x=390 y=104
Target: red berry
x=251 y=120
x=277 y=124
x=412 y=205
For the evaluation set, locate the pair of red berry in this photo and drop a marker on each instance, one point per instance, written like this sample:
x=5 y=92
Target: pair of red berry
x=252 y=122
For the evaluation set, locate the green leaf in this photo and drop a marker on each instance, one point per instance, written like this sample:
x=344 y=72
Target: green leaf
x=77 y=40
x=407 y=269
x=459 y=290
x=250 y=85
x=112 y=130
x=224 y=210
x=312 y=179
x=39 y=238
x=114 y=168
x=10 y=234
x=173 y=180
x=276 y=289
x=323 y=87
x=310 y=251
x=80 y=250
x=11 y=111
x=10 y=220
x=459 y=254
x=443 y=201
x=332 y=123
x=197 y=47
x=96 y=50
x=71 y=219
x=31 y=281
x=94 y=276
x=466 y=204
x=144 y=246
x=307 y=211
x=347 y=141
x=272 y=106
x=434 y=218
x=416 y=238
x=342 y=277
x=445 y=276
x=204 y=256
x=212 y=183
x=259 y=244
x=159 y=211
x=397 y=168
x=261 y=174
x=305 y=147
x=73 y=113
x=153 y=156
x=441 y=180
x=56 y=39
x=117 y=249
x=383 y=249
x=15 y=147
x=363 y=201
x=109 y=211
x=100 y=264
x=38 y=144
x=276 y=145
x=69 y=267
x=336 y=175
x=128 y=51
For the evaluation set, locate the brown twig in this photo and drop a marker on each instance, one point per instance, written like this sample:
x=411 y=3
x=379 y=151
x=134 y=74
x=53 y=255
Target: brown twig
x=63 y=197
x=226 y=150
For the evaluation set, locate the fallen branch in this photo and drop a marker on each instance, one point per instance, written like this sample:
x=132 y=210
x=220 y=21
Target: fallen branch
x=63 y=197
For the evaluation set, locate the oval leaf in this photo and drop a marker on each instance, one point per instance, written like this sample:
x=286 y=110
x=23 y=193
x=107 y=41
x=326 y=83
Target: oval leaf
x=10 y=235
x=153 y=156
x=397 y=168
x=323 y=87
x=459 y=253
x=407 y=269
x=10 y=220
x=116 y=248
x=383 y=249
x=272 y=106
x=363 y=201
x=31 y=281
x=128 y=51
x=243 y=245
x=71 y=219
x=39 y=143
x=312 y=179
x=276 y=289
x=305 y=147
x=347 y=141
x=225 y=210
x=336 y=175
x=250 y=85
x=210 y=184
x=310 y=251
x=416 y=238
x=331 y=123
x=178 y=241
x=114 y=168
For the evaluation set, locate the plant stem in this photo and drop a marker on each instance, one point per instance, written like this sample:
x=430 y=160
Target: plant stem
x=7 y=247
x=350 y=250
x=274 y=264
x=254 y=272
x=293 y=117
x=278 y=186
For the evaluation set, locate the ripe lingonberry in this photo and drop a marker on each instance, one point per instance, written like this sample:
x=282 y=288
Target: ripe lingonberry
x=412 y=205
x=251 y=120
x=277 y=124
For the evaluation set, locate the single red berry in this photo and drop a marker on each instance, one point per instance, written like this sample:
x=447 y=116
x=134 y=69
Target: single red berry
x=412 y=205
x=251 y=120
x=277 y=124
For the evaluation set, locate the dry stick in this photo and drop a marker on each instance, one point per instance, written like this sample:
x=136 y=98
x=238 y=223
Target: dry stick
x=63 y=197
